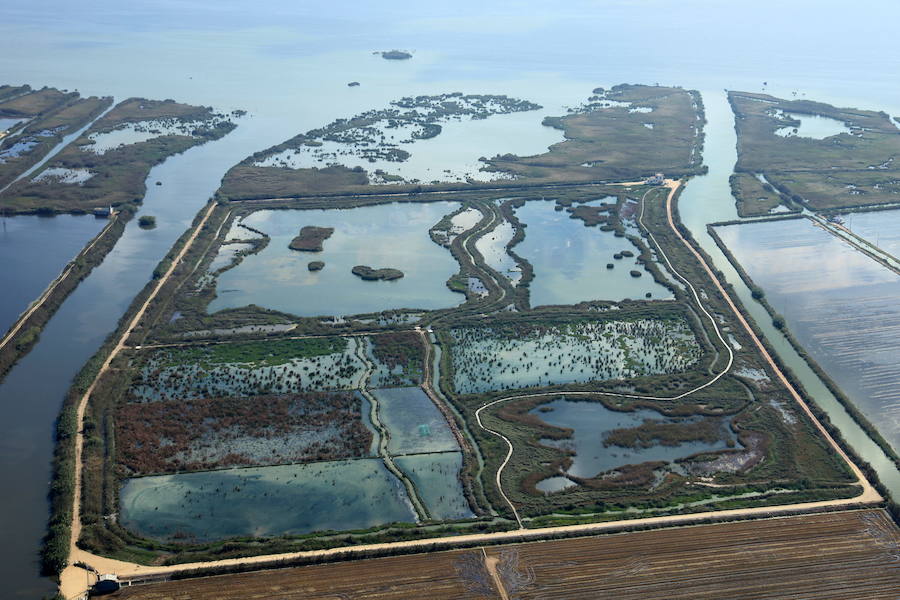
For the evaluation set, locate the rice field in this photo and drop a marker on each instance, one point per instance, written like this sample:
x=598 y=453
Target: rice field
x=842 y=310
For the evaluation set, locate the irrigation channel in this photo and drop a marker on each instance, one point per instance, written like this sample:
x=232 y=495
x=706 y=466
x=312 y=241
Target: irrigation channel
x=73 y=580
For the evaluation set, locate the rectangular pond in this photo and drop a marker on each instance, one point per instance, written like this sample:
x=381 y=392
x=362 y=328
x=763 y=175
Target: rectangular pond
x=525 y=355
x=265 y=501
x=841 y=306
x=383 y=236
x=413 y=421
x=436 y=477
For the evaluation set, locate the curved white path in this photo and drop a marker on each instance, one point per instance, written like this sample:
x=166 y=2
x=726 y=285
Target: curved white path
x=673 y=186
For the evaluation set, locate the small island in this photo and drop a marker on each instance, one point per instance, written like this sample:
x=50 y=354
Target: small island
x=635 y=273
x=395 y=55
x=370 y=274
x=147 y=222
x=316 y=265
x=311 y=238
x=353 y=84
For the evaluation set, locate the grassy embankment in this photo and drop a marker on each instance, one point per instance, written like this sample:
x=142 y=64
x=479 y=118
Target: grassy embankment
x=841 y=171
x=612 y=142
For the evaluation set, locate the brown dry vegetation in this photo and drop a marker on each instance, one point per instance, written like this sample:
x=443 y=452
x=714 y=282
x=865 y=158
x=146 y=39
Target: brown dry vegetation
x=438 y=576
x=840 y=556
x=835 y=555
x=189 y=435
x=399 y=349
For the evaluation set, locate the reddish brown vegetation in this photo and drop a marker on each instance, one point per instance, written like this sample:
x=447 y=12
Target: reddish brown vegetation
x=207 y=433
x=399 y=349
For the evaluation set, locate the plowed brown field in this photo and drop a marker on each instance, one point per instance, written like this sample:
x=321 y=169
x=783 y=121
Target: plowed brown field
x=841 y=556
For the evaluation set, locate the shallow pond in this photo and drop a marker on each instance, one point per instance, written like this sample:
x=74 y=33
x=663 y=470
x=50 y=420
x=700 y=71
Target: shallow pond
x=413 y=421
x=165 y=379
x=570 y=260
x=389 y=235
x=591 y=421
x=843 y=309
x=134 y=133
x=492 y=246
x=815 y=127
x=63 y=175
x=436 y=477
x=265 y=501
x=484 y=359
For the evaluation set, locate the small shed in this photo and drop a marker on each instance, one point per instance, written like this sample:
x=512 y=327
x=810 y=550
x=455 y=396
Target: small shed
x=103 y=212
x=106 y=584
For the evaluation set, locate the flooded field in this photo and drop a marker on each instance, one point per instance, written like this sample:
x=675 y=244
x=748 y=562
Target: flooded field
x=265 y=501
x=385 y=236
x=246 y=369
x=881 y=228
x=414 y=422
x=842 y=309
x=595 y=453
x=520 y=356
x=26 y=273
x=436 y=477
x=570 y=260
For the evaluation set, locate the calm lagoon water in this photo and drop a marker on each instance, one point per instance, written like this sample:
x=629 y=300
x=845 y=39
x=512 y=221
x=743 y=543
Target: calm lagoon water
x=591 y=421
x=390 y=235
x=570 y=260
x=815 y=127
x=34 y=250
x=288 y=65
